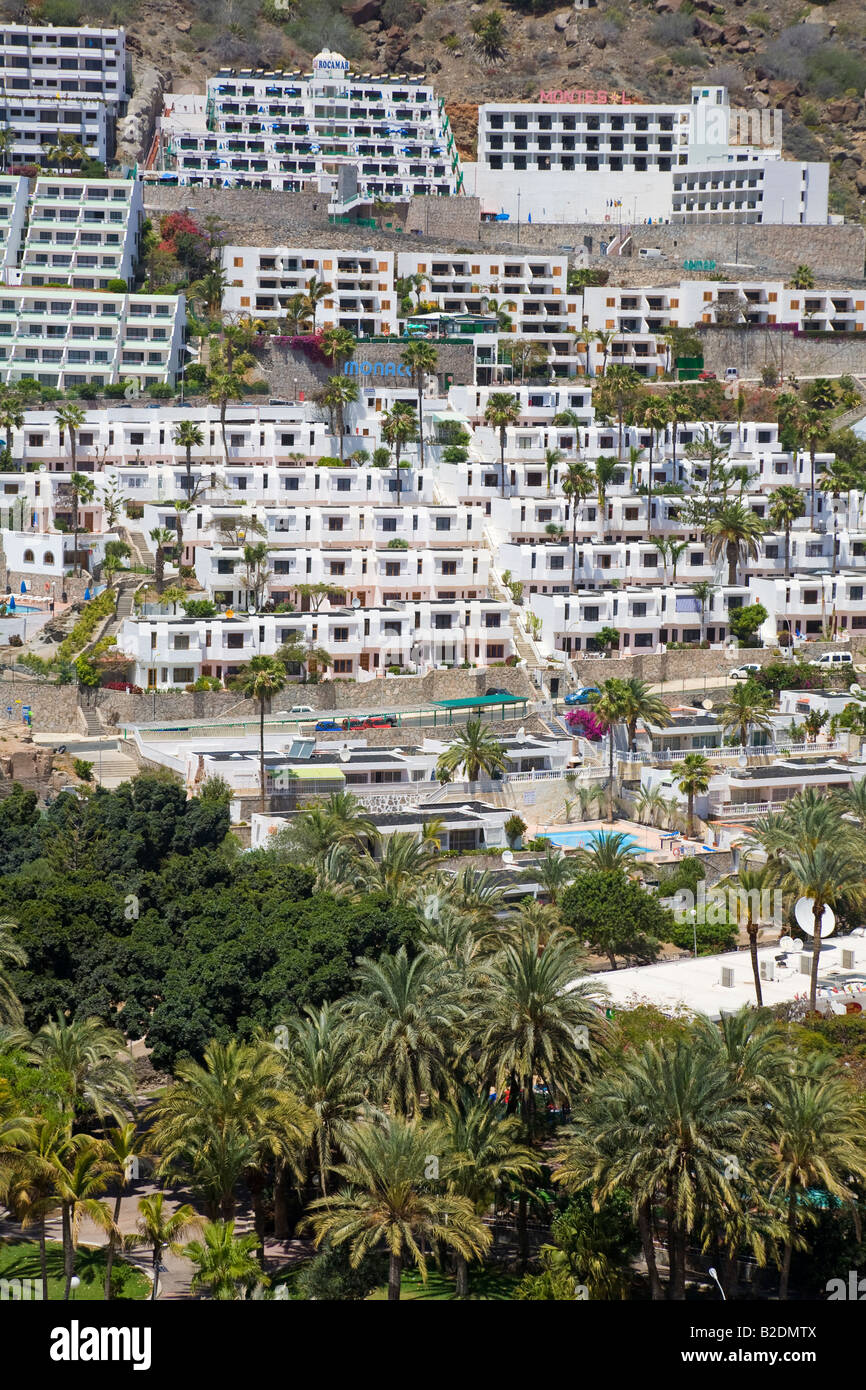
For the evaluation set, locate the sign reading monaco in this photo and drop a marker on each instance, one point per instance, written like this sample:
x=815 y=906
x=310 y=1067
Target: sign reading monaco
x=376 y=369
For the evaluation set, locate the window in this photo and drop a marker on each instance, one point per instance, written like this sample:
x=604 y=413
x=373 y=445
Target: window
x=48 y=558
x=495 y=651
x=343 y=666
x=449 y=566
x=441 y=621
x=340 y=634
x=443 y=523
x=28 y=557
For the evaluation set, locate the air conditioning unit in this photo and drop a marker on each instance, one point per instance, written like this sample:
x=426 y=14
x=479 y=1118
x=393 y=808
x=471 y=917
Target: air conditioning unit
x=767 y=970
x=805 y=964
x=727 y=977
x=847 y=960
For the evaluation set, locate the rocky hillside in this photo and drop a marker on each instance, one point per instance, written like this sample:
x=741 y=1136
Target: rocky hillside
x=809 y=61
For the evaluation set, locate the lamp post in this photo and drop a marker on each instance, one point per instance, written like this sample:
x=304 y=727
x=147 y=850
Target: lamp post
x=518 y=217
x=713 y=1275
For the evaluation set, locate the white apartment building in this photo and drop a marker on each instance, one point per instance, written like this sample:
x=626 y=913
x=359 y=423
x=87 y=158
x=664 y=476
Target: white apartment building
x=169 y=652
x=355 y=135
x=68 y=337
x=646 y=619
x=14 y=193
x=810 y=605
x=261 y=281
x=597 y=155
x=82 y=232
x=44 y=60
x=38 y=122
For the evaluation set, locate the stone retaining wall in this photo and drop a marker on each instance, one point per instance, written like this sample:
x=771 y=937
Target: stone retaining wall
x=750 y=349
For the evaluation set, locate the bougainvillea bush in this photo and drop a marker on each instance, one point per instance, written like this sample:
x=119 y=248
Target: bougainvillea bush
x=585 y=724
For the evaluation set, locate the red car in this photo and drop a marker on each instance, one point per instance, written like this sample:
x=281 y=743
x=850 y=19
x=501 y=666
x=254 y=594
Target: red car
x=353 y=723
x=707 y=376
x=376 y=721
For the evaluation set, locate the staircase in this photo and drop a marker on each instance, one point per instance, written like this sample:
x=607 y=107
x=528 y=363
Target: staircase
x=92 y=722
x=138 y=545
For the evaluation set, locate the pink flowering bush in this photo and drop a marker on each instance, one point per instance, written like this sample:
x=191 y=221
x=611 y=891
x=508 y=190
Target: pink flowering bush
x=584 y=724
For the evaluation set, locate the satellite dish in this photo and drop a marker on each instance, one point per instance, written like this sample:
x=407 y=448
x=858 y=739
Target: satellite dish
x=742 y=760
x=706 y=704
x=345 y=755
x=521 y=732
x=803 y=911
x=787 y=943
x=356 y=603
x=854 y=689
x=507 y=857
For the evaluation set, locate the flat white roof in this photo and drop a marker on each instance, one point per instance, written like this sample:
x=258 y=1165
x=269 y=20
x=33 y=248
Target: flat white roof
x=696 y=985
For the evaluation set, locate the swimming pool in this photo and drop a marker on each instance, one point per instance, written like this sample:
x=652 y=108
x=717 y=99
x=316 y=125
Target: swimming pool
x=585 y=839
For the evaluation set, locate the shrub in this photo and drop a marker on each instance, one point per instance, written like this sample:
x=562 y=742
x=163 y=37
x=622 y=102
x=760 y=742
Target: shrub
x=117 y=286
x=199 y=608
x=160 y=391
x=455 y=453
x=585 y=724
x=83 y=769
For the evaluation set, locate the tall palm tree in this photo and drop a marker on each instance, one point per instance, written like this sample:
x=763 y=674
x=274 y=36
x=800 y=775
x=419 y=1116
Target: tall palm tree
x=388 y=1201
x=82 y=489
x=476 y=749
x=703 y=591
x=422 y=360
x=786 y=505
x=734 y=533
x=502 y=409
x=339 y=392
x=317 y=290
x=649 y=802
x=86 y=1067
x=226 y=1264
x=694 y=779
x=161 y=1229
x=11 y=1010
x=664 y=1124
x=404 y=1013
x=608 y=853
x=119 y=1148
x=553 y=873
x=261 y=679
x=188 y=436
x=604 y=337
x=605 y=474
x=611 y=707
x=11 y=414
x=29 y=1179
x=481 y=1150
x=812 y=428
x=754 y=880
x=403 y=860
x=643 y=707
x=552 y=459
x=682 y=410
x=829 y=872
x=80 y=1179
x=745 y=710
x=657 y=415
x=321 y=1069
x=577 y=485
x=162 y=538
x=816 y=1134
x=398 y=428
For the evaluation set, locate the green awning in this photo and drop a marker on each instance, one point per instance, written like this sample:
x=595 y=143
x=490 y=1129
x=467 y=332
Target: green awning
x=451 y=417
x=482 y=701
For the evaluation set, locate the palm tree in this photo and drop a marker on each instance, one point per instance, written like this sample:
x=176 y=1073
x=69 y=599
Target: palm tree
x=786 y=505
x=812 y=429
x=657 y=415
x=604 y=337
x=816 y=1137
x=605 y=474
x=552 y=459
x=298 y=317
x=321 y=1069
x=734 y=533
x=643 y=707
x=189 y=436
x=388 y=1200
x=649 y=802
x=82 y=489
x=317 y=290
x=404 y=859
x=663 y=1124
x=476 y=749
x=162 y=538
x=682 y=410
x=609 y=853
x=161 y=1230
x=830 y=872
x=208 y=290
x=746 y=709
x=480 y=1150
x=86 y=1067
x=703 y=591
x=577 y=485
x=754 y=881
x=339 y=392
x=11 y=1010
x=553 y=873
x=29 y=1182
x=502 y=410
x=261 y=679
x=398 y=428
x=256 y=572
x=338 y=344
x=226 y=1264
x=79 y=1179
x=694 y=779
x=119 y=1149
x=611 y=707
x=403 y=1014
x=422 y=359
x=11 y=414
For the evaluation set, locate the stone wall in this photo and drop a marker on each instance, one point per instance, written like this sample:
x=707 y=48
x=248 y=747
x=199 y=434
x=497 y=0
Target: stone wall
x=680 y=665
x=750 y=349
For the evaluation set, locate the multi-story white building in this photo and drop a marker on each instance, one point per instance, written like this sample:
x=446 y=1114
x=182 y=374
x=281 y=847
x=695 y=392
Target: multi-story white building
x=38 y=122
x=646 y=619
x=68 y=337
x=44 y=60
x=262 y=280
x=14 y=192
x=355 y=136
x=589 y=155
x=82 y=232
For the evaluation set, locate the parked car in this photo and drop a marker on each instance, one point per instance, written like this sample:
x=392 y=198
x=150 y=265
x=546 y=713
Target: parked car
x=328 y=726
x=302 y=709
x=731 y=374
x=706 y=376
x=835 y=659
x=580 y=697
x=742 y=673
x=497 y=690
x=377 y=721
x=353 y=723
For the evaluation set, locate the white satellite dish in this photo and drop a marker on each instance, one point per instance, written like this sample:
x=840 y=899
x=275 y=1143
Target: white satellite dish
x=521 y=732
x=787 y=943
x=706 y=704
x=854 y=689
x=803 y=911
x=356 y=603
x=507 y=857
x=742 y=760
x=345 y=755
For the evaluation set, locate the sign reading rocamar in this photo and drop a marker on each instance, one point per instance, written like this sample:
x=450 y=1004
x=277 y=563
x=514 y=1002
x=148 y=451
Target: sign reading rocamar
x=330 y=62
x=581 y=98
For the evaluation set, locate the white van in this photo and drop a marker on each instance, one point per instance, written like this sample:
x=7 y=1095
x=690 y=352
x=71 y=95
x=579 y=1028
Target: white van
x=835 y=659
x=649 y=252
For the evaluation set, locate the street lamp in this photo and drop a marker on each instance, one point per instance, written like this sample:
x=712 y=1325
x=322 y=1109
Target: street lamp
x=713 y=1275
x=518 y=217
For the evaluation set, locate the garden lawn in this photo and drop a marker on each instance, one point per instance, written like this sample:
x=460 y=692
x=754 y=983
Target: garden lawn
x=19 y=1259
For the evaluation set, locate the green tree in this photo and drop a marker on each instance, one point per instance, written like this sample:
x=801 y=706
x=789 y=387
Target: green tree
x=643 y=707
x=476 y=750
x=82 y=489
x=577 y=485
x=225 y=1264
x=422 y=360
x=734 y=531
x=321 y=1069
x=161 y=1229
x=610 y=706
x=398 y=428
x=261 y=679
x=490 y=33
x=786 y=505
x=339 y=392
x=695 y=772
x=162 y=538
x=747 y=708
x=502 y=410
x=615 y=915
x=188 y=436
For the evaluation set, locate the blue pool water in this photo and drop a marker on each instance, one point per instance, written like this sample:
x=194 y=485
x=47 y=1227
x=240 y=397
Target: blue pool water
x=583 y=839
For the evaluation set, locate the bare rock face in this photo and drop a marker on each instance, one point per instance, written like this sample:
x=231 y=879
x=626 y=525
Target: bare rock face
x=364 y=11
x=560 y=24
x=708 y=32
x=396 y=44
x=135 y=129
